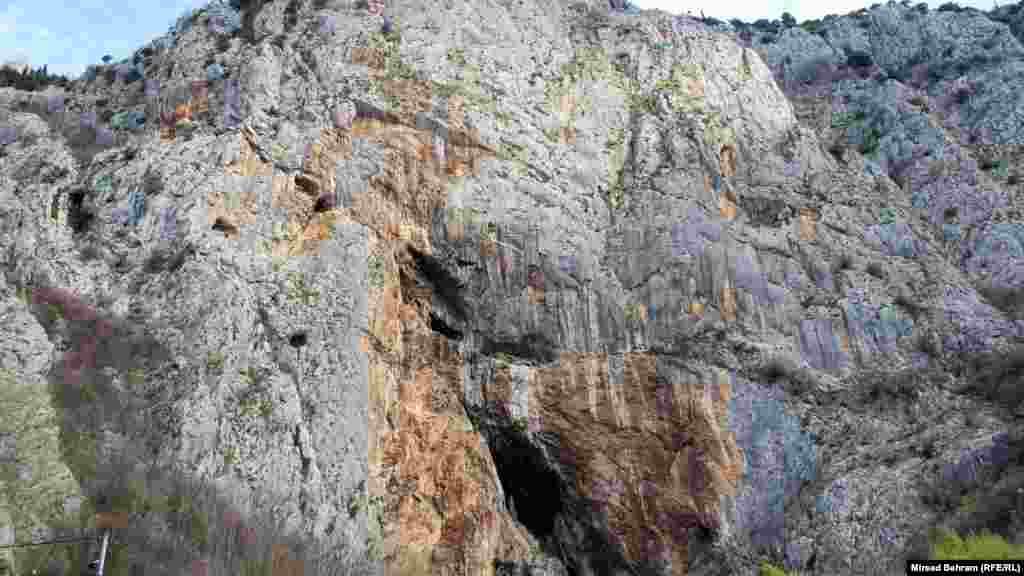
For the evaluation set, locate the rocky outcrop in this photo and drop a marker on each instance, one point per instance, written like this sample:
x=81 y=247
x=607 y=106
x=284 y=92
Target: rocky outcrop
x=532 y=289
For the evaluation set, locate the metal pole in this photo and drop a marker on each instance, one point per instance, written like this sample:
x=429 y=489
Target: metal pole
x=103 y=551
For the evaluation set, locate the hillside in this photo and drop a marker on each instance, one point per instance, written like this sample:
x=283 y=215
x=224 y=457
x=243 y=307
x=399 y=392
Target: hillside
x=518 y=288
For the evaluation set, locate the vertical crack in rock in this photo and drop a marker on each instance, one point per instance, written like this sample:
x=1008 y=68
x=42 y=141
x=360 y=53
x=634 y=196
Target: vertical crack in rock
x=444 y=284
x=441 y=327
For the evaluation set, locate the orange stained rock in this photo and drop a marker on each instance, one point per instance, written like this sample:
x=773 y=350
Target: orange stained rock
x=729 y=304
x=566 y=107
x=248 y=162
x=283 y=562
x=371 y=57
x=535 y=295
x=693 y=85
x=488 y=248
x=456 y=113
x=808 y=224
x=651 y=475
x=426 y=456
x=727 y=161
x=182 y=112
x=231 y=210
x=726 y=207
x=567 y=135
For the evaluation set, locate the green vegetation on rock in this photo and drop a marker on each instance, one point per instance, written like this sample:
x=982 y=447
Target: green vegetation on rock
x=768 y=569
x=984 y=546
x=375 y=270
x=36 y=486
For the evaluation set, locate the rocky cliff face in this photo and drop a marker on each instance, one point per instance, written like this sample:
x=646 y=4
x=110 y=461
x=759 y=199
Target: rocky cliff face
x=532 y=288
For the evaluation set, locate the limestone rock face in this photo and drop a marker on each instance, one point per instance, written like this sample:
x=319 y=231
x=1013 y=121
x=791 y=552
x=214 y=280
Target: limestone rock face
x=528 y=288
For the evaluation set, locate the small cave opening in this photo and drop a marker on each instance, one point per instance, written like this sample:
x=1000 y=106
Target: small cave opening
x=79 y=217
x=298 y=339
x=441 y=327
x=531 y=487
x=222 y=224
x=325 y=203
x=533 y=346
x=446 y=286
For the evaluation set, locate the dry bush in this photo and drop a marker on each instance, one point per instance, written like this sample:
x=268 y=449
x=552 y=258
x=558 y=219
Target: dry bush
x=183 y=526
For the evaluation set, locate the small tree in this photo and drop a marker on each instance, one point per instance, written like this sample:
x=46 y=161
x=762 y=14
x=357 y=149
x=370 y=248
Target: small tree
x=787 y=20
x=106 y=59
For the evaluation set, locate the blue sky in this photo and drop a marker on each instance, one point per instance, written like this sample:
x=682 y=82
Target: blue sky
x=68 y=35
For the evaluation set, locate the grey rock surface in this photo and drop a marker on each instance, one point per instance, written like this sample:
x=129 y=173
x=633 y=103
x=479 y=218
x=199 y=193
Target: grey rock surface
x=603 y=292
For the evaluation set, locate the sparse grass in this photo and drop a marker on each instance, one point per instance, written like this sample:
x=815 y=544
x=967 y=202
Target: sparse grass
x=375 y=271
x=178 y=521
x=633 y=313
x=457 y=56
x=279 y=153
x=230 y=456
x=520 y=425
x=871 y=141
x=768 y=569
x=300 y=292
x=847 y=119
x=983 y=546
x=616 y=196
x=215 y=361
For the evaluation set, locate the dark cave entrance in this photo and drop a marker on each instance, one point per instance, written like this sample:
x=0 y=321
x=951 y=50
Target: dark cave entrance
x=531 y=487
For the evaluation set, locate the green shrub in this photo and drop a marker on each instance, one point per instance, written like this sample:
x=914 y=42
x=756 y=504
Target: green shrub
x=847 y=119
x=983 y=546
x=502 y=360
x=520 y=425
x=768 y=569
x=810 y=26
x=871 y=141
x=375 y=268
